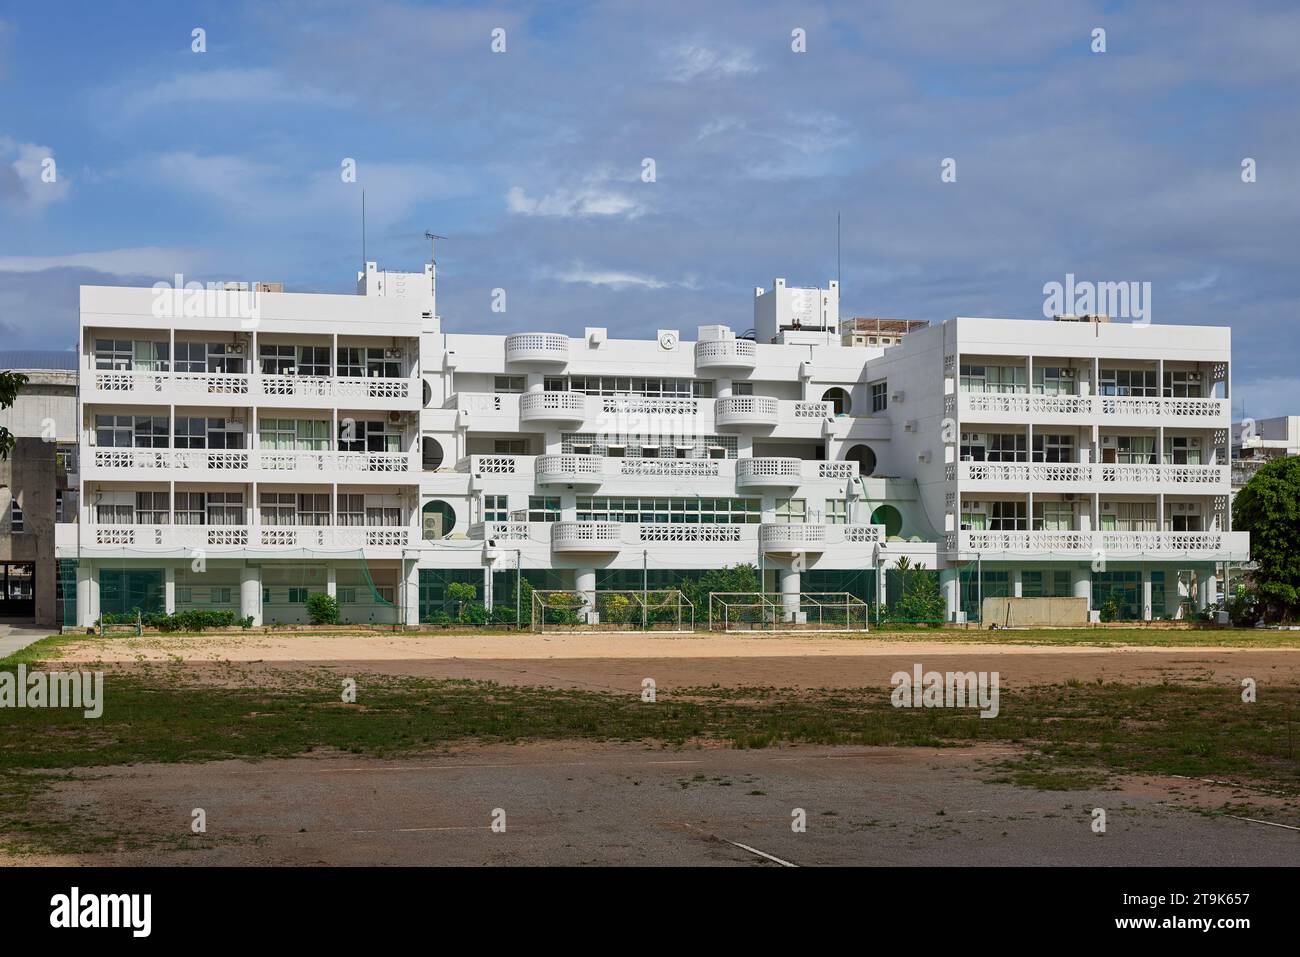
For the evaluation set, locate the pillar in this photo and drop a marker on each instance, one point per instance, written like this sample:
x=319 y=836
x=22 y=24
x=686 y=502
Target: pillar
x=1017 y=583
x=1081 y=584
x=332 y=580
x=410 y=593
x=1206 y=588
x=790 y=588
x=250 y=593
x=169 y=589
x=1146 y=595
x=87 y=594
x=584 y=582
x=950 y=585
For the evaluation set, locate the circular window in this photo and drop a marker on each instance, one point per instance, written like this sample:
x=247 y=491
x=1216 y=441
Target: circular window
x=439 y=519
x=889 y=517
x=430 y=454
x=428 y=393
x=839 y=399
x=865 y=458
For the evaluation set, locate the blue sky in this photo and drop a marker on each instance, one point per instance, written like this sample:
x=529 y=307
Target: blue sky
x=1115 y=166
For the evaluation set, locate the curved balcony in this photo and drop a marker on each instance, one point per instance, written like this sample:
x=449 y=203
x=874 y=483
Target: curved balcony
x=726 y=354
x=570 y=469
x=552 y=407
x=586 y=536
x=779 y=537
x=768 y=473
x=551 y=347
x=746 y=411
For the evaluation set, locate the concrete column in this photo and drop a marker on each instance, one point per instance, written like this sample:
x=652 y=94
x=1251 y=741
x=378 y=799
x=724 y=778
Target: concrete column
x=169 y=589
x=87 y=599
x=950 y=585
x=1146 y=595
x=410 y=593
x=250 y=593
x=1017 y=583
x=1081 y=584
x=332 y=580
x=1206 y=588
x=789 y=593
x=584 y=582
x=722 y=388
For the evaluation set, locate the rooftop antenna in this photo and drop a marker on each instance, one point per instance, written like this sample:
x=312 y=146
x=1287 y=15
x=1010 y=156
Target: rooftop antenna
x=433 y=245
x=837 y=254
x=363 y=230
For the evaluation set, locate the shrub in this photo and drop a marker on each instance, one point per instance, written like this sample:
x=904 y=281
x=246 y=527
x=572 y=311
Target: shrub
x=322 y=609
x=474 y=613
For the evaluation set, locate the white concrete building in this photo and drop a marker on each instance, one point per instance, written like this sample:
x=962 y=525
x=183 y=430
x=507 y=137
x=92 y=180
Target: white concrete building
x=1256 y=442
x=347 y=444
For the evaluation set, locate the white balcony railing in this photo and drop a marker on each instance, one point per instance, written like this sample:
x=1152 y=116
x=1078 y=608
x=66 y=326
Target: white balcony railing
x=726 y=354
x=553 y=407
x=1037 y=407
x=276 y=389
x=761 y=473
x=240 y=536
x=779 y=537
x=537 y=347
x=1222 y=546
x=1078 y=473
x=586 y=536
x=227 y=461
x=739 y=411
x=570 y=469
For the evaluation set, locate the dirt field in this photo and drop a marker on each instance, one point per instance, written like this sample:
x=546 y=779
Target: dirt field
x=568 y=803
x=621 y=662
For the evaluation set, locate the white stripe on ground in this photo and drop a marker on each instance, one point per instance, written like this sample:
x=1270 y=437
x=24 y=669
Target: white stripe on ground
x=743 y=847
x=1289 y=827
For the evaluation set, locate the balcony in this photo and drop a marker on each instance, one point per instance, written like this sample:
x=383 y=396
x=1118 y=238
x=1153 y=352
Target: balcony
x=780 y=537
x=1111 y=546
x=1046 y=409
x=108 y=464
x=1087 y=477
x=1196 y=476
x=156 y=538
x=746 y=411
x=570 y=469
x=552 y=407
x=586 y=536
x=726 y=354
x=544 y=347
x=769 y=473
x=242 y=389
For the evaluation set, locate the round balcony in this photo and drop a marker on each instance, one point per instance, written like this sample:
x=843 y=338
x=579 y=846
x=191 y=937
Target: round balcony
x=792 y=538
x=570 y=469
x=586 y=536
x=746 y=412
x=769 y=473
x=543 y=347
x=726 y=354
x=552 y=407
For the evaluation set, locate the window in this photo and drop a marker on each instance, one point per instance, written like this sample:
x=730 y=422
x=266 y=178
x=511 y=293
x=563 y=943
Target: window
x=494 y=509
x=1053 y=516
x=431 y=454
x=152 y=508
x=61 y=510
x=352 y=509
x=15 y=517
x=313 y=508
x=742 y=388
x=184 y=594
x=506 y=384
x=191 y=432
x=879 y=396
x=652 y=386
x=222 y=596
x=1007 y=517
x=347 y=596
x=973 y=379
x=1005 y=447
x=1182 y=450
x=113 y=354
x=191 y=357
x=510 y=446
x=225 y=508
x=542 y=508
x=151 y=356
x=839 y=400
x=864 y=456
x=702 y=390
x=298 y=596
x=386 y=593
x=314 y=360
x=355 y=436
x=1185 y=523
x=1128 y=382
x=276 y=360
x=191 y=508
x=1184 y=384
x=289 y=434
x=352 y=362
x=689 y=511
x=1134 y=450
x=113 y=431
x=1053 y=448
x=973 y=519
x=791 y=510
x=1128 y=517
x=115 y=511
x=383 y=516
x=225 y=435
x=279 y=508
x=313 y=435
x=837 y=511
x=1053 y=380
x=616 y=451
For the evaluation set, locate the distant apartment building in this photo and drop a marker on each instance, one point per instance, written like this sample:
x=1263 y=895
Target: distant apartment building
x=1256 y=442
x=38 y=484
x=350 y=445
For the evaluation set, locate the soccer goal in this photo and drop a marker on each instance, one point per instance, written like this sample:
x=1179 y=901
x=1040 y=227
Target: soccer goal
x=772 y=611
x=665 y=609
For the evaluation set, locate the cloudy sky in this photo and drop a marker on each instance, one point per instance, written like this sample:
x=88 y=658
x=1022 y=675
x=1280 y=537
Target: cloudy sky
x=1117 y=166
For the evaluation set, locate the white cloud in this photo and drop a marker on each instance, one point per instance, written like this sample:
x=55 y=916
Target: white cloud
x=22 y=184
x=138 y=261
x=582 y=275
x=589 y=200
x=693 y=61
x=1265 y=398
x=257 y=86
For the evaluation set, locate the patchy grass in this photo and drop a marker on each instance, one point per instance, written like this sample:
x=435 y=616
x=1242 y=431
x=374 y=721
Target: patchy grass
x=46 y=649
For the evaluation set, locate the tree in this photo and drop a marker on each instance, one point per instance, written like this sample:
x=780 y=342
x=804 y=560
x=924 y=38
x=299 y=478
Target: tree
x=462 y=593
x=10 y=383
x=1269 y=508
x=920 y=598
x=322 y=609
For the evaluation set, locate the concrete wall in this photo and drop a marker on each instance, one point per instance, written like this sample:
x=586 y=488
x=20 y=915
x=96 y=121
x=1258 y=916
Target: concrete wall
x=1035 y=612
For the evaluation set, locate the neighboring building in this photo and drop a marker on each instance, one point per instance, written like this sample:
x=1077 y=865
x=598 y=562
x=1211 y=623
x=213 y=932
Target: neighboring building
x=873 y=331
x=1256 y=442
x=38 y=483
x=347 y=444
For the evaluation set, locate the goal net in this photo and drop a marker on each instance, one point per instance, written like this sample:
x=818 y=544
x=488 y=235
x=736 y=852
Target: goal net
x=664 y=609
x=771 y=611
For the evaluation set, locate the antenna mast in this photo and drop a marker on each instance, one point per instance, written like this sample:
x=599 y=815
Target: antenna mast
x=433 y=245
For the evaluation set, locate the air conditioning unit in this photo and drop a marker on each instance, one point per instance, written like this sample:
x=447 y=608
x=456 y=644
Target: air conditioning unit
x=923 y=456
x=1108 y=441
x=1196 y=443
x=896 y=396
x=1107 y=507
x=1067 y=373
x=235 y=349
x=392 y=353
x=1068 y=497
x=909 y=425
x=1193 y=377
x=395 y=417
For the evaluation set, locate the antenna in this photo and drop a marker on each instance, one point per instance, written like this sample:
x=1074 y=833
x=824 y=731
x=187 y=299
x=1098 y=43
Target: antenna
x=363 y=230
x=433 y=245
x=837 y=254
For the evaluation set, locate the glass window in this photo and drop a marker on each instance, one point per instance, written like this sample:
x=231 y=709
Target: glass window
x=151 y=356
x=1053 y=516
x=191 y=508
x=543 y=508
x=151 y=432
x=508 y=384
x=191 y=432
x=151 y=508
x=225 y=508
x=494 y=509
x=113 y=354
x=352 y=509
x=276 y=360
x=1006 y=447
x=837 y=511
x=314 y=360
x=279 y=508
x=1050 y=447
x=791 y=510
x=1007 y=516
x=879 y=396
